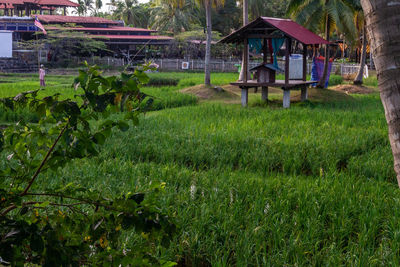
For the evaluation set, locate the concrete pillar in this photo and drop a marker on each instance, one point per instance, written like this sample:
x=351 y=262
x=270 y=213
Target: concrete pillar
x=245 y=97
x=304 y=93
x=286 y=98
x=264 y=93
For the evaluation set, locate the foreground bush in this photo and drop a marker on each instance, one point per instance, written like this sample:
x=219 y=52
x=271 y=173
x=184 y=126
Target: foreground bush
x=72 y=225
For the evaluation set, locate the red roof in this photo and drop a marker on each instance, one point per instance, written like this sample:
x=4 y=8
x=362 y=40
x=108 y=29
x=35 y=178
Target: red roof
x=285 y=26
x=41 y=2
x=4 y=6
x=74 y=19
x=109 y=29
x=15 y=2
x=296 y=31
x=132 y=37
x=57 y=3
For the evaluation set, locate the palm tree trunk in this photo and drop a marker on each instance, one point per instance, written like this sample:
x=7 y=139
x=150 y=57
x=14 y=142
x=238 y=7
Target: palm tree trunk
x=359 y=78
x=382 y=20
x=207 y=78
x=245 y=22
x=321 y=83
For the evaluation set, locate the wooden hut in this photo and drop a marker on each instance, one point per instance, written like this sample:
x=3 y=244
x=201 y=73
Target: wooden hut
x=267 y=29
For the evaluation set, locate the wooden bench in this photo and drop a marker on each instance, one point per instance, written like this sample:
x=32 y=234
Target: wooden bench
x=286 y=87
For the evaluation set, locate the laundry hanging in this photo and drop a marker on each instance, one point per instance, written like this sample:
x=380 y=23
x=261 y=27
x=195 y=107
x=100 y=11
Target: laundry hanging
x=276 y=46
x=255 y=45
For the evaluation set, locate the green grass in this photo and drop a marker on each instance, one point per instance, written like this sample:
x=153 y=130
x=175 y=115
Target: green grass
x=259 y=186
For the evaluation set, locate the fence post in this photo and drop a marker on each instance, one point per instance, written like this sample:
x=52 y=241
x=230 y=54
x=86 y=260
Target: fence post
x=223 y=66
x=177 y=64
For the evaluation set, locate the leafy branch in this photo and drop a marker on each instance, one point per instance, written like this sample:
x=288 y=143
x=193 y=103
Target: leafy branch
x=46 y=227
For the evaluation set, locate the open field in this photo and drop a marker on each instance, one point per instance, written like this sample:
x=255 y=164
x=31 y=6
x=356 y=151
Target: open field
x=257 y=186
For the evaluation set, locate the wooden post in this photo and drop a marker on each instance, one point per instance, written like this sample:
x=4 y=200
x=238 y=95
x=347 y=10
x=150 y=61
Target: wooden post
x=287 y=56
x=264 y=93
x=65 y=11
x=245 y=96
x=304 y=93
x=304 y=62
x=245 y=61
x=286 y=98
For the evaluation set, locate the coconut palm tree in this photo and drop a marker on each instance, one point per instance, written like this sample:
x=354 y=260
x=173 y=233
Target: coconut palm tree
x=270 y=8
x=98 y=5
x=168 y=16
x=84 y=7
x=360 y=25
x=129 y=11
x=326 y=14
x=382 y=24
x=245 y=8
x=208 y=6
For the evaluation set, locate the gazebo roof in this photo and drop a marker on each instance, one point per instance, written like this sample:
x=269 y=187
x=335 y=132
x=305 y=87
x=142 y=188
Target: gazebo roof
x=274 y=28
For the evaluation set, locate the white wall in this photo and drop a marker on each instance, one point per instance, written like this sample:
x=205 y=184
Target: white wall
x=5 y=44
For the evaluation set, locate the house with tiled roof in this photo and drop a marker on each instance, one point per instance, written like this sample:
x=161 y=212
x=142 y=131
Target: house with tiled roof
x=19 y=16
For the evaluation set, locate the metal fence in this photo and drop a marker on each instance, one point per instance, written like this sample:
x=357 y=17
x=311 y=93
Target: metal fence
x=169 y=64
x=198 y=65
x=232 y=66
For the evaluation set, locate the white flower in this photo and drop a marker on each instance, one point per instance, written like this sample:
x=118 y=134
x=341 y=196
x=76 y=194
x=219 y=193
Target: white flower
x=193 y=190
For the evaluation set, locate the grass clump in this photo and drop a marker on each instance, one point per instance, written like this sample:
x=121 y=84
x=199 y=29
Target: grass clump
x=335 y=80
x=371 y=81
x=162 y=81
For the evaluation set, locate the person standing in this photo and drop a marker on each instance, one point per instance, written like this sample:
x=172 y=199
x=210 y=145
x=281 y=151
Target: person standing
x=42 y=74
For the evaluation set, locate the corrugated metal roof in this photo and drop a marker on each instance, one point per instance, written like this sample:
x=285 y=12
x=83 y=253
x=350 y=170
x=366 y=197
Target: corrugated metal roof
x=286 y=27
x=109 y=29
x=131 y=37
x=74 y=19
x=296 y=31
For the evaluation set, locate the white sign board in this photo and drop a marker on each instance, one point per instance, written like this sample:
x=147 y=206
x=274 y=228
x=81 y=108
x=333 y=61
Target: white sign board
x=5 y=44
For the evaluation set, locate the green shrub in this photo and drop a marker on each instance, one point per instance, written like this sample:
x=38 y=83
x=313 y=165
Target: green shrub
x=371 y=81
x=163 y=81
x=335 y=80
x=17 y=115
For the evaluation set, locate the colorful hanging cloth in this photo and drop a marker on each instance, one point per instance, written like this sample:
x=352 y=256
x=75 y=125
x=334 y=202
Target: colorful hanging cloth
x=276 y=46
x=255 y=45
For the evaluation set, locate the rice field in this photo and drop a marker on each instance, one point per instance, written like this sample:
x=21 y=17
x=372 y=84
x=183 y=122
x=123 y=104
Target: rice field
x=258 y=186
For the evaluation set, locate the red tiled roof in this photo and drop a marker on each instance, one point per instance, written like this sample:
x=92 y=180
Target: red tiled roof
x=132 y=37
x=41 y=2
x=285 y=26
x=74 y=19
x=57 y=3
x=3 y=6
x=109 y=29
x=15 y=2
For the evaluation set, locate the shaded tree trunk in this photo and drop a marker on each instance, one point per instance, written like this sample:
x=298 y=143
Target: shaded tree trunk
x=321 y=83
x=207 y=71
x=245 y=22
x=360 y=75
x=382 y=24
